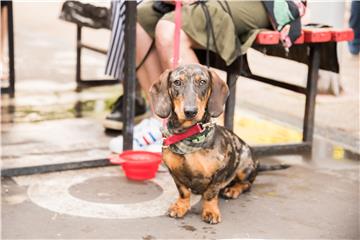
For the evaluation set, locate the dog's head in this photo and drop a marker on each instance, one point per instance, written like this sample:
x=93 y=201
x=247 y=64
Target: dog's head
x=189 y=91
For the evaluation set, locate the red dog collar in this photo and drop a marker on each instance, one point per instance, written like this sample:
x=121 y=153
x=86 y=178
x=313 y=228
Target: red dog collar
x=175 y=138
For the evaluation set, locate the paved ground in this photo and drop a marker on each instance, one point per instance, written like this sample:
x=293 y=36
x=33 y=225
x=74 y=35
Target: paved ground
x=49 y=122
x=301 y=202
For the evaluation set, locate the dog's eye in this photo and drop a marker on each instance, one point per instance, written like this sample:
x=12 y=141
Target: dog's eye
x=202 y=82
x=177 y=83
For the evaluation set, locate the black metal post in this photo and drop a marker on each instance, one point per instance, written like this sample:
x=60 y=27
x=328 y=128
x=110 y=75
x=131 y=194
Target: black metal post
x=11 y=49
x=230 y=102
x=78 y=55
x=311 y=90
x=130 y=74
x=281 y=149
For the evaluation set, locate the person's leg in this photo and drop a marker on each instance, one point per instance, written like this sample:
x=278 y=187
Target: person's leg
x=151 y=68
x=354 y=23
x=3 y=42
x=165 y=42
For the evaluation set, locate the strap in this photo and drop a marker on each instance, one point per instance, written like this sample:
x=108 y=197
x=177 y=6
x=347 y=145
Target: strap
x=209 y=29
x=146 y=55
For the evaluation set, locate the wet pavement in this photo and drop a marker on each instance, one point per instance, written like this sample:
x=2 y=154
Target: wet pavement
x=50 y=123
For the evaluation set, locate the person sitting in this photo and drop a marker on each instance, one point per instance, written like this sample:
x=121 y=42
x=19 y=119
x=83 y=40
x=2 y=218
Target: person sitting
x=233 y=29
x=354 y=22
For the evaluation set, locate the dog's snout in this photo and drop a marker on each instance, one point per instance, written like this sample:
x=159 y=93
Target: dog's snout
x=190 y=112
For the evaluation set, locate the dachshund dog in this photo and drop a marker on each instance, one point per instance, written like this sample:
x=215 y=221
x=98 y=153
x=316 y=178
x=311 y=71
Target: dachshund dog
x=214 y=161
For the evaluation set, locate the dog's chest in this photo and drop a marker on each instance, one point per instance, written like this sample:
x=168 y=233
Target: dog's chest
x=194 y=170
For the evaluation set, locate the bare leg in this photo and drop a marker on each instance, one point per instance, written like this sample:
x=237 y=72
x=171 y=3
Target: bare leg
x=3 y=30
x=3 y=41
x=151 y=69
x=165 y=42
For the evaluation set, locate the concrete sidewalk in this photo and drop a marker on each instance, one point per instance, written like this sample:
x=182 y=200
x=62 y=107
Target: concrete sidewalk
x=300 y=202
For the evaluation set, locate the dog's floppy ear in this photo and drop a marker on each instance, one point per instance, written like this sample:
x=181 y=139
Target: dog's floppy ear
x=160 y=96
x=218 y=96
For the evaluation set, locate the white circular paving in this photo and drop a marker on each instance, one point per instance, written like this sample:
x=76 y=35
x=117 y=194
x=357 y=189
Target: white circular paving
x=52 y=192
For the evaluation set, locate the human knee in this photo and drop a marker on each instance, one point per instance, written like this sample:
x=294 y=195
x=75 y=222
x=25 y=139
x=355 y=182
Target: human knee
x=164 y=36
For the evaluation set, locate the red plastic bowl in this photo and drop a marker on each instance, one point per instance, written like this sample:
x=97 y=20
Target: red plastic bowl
x=138 y=165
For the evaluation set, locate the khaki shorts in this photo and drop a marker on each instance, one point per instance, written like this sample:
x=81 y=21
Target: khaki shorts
x=233 y=35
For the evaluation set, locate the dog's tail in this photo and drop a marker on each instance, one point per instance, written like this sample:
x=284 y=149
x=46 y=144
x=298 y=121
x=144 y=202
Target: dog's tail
x=263 y=168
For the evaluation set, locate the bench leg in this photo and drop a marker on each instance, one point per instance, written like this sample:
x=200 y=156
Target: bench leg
x=311 y=90
x=230 y=103
x=78 y=55
x=130 y=74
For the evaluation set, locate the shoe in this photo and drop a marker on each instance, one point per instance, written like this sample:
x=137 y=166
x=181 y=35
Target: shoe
x=114 y=120
x=147 y=136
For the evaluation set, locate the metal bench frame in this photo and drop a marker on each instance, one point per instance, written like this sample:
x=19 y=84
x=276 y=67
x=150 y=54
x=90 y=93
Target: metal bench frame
x=233 y=72
x=82 y=83
x=240 y=67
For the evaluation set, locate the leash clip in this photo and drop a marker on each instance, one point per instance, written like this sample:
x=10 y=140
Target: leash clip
x=204 y=126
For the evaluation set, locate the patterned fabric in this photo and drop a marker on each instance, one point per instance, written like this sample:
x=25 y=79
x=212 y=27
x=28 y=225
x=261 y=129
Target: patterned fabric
x=285 y=17
x=115 y=57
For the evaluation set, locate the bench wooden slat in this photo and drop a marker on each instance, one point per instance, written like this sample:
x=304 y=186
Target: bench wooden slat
x=338 y=35
x=268 y=38
x=300 y=39
x=317 y=35
x=308 y=35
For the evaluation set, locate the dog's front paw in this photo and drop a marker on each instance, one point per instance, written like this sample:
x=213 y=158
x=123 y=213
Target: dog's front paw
x=212 y=217
x=178 y=209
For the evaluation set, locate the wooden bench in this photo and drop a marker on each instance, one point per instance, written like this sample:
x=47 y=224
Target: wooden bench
x=313 y=38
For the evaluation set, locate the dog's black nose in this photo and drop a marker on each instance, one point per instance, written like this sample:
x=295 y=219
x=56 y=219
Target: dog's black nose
x=190 y=112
